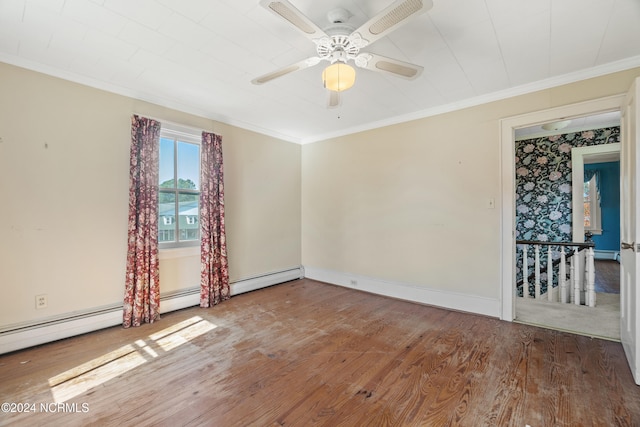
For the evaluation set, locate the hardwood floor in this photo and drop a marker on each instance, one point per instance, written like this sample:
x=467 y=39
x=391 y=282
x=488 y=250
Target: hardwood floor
x=607 y=276
x=307 y=353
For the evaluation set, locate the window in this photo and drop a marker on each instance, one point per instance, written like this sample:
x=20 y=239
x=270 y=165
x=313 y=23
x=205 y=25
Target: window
x=178 y=189
x=592 y=212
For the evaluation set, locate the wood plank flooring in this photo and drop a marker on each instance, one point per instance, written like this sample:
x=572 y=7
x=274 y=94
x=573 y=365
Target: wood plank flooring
x=607 y=278
x=306 y=353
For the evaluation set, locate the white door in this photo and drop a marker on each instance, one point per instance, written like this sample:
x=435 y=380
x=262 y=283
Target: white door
x=630 y=230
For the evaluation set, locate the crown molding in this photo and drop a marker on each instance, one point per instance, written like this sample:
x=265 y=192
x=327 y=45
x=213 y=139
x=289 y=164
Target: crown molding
x=549 y=83
x=584 y=74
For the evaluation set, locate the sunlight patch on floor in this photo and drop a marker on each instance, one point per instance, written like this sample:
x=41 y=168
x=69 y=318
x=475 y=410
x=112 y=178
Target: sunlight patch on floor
x=83 y=378
x=182 y=335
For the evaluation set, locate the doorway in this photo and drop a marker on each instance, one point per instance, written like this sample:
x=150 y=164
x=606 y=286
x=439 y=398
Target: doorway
x=581 y=158
x=508 y=130
x=600 y=166
x=551 y=164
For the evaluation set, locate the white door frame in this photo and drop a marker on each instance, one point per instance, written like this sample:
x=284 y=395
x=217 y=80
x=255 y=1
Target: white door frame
x=579 y=157
x=507 y=178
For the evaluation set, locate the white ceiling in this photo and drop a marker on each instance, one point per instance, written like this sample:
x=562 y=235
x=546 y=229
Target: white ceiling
x=200 y=56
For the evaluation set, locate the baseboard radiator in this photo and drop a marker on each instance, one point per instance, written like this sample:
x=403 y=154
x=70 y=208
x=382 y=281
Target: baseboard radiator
x=28 y=334
x=607 y=255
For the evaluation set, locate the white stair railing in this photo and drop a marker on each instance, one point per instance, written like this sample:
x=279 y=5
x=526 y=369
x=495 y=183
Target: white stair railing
x=578 y=288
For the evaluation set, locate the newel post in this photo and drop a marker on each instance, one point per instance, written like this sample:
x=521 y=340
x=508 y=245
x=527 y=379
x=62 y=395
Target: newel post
x=525 y=272
x=537 y=270
x=562 y=279
x=591 y=278
x=575 y=276
x=550 y=274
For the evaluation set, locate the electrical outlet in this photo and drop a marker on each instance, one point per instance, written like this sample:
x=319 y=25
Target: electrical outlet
x=41 y=301
x=354 y=282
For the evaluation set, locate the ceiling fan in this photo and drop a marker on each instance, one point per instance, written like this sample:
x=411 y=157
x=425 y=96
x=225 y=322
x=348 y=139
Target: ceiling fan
x=340 y=44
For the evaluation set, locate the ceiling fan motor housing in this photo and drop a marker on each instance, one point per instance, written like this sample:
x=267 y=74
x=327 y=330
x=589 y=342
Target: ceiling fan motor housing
x=337 y=48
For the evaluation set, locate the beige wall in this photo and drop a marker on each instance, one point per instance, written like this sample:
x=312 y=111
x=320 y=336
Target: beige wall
x=405 y=203
x=409 y=203
x=64 y=159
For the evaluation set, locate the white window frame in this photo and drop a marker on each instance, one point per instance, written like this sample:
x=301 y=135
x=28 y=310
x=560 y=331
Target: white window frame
x=579 y=157
x=595 y=220
x=191 y=136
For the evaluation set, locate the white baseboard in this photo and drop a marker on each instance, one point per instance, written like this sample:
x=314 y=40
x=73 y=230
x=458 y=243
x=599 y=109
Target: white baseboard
x=438 y=298
x=265 y=280
x=28 y=334
x=25 y=335
x=607 y=255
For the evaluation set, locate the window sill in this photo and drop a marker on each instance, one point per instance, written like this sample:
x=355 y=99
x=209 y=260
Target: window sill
x=171 y=253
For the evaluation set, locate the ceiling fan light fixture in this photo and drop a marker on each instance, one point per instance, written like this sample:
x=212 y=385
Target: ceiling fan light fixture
x=338 y=77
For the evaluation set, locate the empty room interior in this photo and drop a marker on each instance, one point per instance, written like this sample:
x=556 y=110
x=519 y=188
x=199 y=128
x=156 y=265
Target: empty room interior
x=348 y=212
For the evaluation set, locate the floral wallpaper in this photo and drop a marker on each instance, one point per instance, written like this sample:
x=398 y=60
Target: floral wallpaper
x=543 y=186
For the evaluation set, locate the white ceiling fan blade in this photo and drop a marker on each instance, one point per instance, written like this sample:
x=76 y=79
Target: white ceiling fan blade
x=394 y=67
x=293 y=16
x=391 y=18
x=301 y=65
x=333 y=100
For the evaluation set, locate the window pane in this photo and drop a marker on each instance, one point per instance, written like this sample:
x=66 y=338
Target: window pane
x=586 y=191
x=188 y=166
x=189 y=220
x=587 y=215
x=165 y=175
x=166 y=217
x=179 y=170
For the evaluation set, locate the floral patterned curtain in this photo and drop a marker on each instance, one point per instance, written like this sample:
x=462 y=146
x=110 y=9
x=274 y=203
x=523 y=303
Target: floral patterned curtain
x=214 y=276
x=142 y=285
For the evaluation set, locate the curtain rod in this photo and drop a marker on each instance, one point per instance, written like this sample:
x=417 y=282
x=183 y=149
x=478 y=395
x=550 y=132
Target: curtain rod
x=168 y=122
